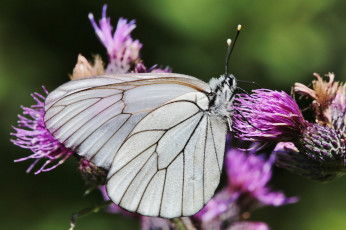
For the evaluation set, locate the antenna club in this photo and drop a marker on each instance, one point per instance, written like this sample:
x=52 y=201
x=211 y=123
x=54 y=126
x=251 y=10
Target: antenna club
x=239 y=27
x=229 y=41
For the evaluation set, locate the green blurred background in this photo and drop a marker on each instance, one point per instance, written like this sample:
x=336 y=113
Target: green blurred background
x=281 y=43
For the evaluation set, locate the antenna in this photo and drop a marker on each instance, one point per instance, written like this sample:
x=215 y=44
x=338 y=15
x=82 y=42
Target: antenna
x=230 y=49
x=249 y=82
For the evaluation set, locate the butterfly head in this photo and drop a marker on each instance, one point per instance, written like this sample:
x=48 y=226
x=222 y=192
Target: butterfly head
x=230 y=82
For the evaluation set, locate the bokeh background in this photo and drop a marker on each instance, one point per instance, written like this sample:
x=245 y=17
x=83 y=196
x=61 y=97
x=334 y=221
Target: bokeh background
x=282 y=42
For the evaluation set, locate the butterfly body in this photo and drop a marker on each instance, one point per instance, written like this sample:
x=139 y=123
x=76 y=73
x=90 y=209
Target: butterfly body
x=161 y=136
x=223 y=90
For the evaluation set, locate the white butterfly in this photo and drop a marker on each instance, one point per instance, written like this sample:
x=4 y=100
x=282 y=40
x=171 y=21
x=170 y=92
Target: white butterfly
x=160 y=135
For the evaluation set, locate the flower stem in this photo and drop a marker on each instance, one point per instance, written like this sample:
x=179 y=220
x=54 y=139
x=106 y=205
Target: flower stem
x=86 y=211
x=184 y=223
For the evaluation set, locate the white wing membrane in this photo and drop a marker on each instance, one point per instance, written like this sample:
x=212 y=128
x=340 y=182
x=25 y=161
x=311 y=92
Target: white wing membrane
x=154 y=133
x=168 y=166
x=125 y=81
x=93 y=116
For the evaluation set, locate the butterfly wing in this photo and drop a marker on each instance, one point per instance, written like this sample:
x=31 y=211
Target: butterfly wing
x=153 y=132
x=93 y=116
x=171 y=162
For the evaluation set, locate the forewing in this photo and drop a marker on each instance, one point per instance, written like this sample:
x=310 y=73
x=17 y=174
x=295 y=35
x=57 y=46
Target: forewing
x=93 y=116
x=171 y=162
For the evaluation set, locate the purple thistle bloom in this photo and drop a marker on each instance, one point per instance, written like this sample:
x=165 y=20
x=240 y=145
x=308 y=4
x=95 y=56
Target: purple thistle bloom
x=267 y=115
x=223 y=202
x=122 y=50
x=32 y=134
x=150 y=223
x=248 y=176
x=247 y=225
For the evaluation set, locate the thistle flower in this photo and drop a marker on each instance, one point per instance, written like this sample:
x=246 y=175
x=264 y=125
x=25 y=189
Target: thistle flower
x=220 y=208
x=326 y=96
x=267 y=115
x=329 y=102
x=84 y=68
x=321 y=143
x=248 y=177
x=319 y=154
x=122 y=50
x=150 y=223
x=319 y=151
x=32 y=134
x=247 y=225
x=274 y=116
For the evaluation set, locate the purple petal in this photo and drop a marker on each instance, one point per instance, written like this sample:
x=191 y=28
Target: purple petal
x=32 y=134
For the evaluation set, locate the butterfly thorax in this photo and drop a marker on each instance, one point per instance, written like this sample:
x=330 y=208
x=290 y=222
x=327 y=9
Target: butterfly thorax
x=222 y=97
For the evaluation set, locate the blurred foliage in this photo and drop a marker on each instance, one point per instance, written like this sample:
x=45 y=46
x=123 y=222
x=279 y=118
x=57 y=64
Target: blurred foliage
x=281 y=43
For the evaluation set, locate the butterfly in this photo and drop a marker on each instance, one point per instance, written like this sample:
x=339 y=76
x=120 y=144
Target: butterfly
x=160 y=136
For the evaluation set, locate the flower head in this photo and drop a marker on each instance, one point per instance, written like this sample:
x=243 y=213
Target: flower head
x=322 y=143
x=267 y=115
x=84 y=68
x=329 y=102
x=223 y=203
x=248 y=225
x=248 y=176
x=319 y=151
x=326 y=96
x=319 y=154
x=150 y=223
x=122 y=50
x=32 y=134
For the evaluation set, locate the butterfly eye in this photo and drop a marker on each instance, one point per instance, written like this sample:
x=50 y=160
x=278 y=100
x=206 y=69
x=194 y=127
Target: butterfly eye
x=229 y=81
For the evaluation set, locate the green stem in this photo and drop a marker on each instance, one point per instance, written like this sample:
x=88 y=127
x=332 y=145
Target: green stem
x=87 y=211
x=184 y=223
